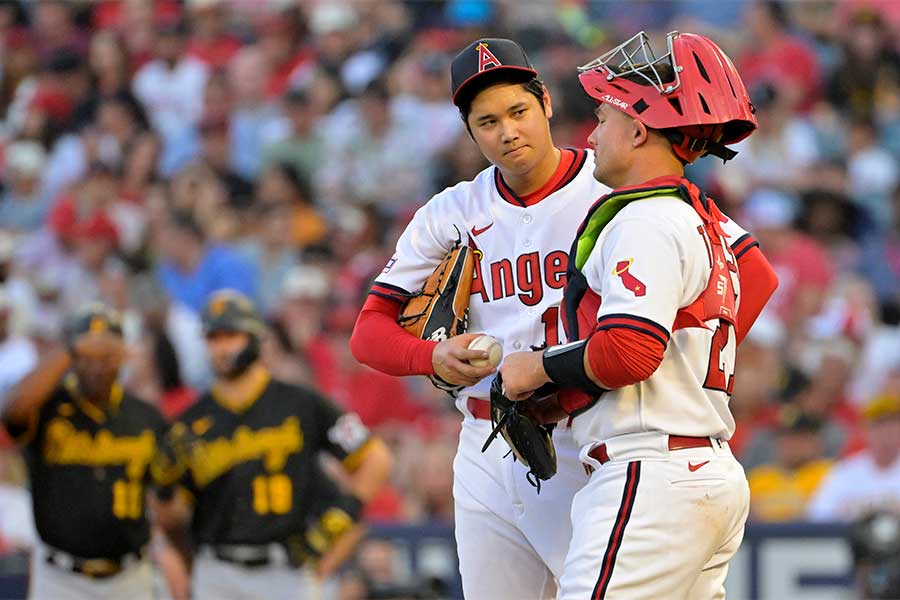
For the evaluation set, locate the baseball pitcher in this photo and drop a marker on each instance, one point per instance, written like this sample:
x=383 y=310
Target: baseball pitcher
x=518 y=217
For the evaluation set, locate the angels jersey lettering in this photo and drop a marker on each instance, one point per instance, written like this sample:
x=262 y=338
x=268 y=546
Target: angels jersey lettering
x=521 y=251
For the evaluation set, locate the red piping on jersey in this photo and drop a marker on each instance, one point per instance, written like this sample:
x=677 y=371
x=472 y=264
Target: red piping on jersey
x=618 y=531
x=641 y=324
x=379 y=342
x=743 y=244
x=570 y=163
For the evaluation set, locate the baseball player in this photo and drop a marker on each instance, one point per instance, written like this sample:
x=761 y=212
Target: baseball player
x=91 y=451
x=660 y=290
x=519 y=216
x=260 y=509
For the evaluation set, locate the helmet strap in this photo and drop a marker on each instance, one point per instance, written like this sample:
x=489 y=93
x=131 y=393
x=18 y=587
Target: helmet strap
x=689 y=148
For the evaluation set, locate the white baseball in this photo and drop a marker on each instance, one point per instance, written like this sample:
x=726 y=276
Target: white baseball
x=489 y=344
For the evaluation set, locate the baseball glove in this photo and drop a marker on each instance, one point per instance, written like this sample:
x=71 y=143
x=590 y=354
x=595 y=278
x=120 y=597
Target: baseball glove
x=525 y=427
x=440 y=309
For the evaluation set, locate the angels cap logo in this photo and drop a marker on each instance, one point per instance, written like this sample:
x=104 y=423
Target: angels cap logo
x=486 y=58
x=630 y=282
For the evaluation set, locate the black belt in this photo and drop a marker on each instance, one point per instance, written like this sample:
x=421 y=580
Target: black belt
x=96 y=568
x=253 y=556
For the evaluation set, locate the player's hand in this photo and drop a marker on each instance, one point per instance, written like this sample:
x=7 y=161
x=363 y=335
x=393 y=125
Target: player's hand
x=451 y=357
x=523 y=372
x=339 y=552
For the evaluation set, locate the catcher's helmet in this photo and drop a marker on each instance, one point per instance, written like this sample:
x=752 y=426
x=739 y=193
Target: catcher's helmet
x=704 y=102
x=95 y=317
x=229 y=311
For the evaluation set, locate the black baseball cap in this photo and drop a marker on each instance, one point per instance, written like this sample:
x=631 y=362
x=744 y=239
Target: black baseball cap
x=94 y=317
x=487 y=55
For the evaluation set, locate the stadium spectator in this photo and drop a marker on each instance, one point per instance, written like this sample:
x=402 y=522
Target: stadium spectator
x=24 y=202
x=869 y=59
x=211 y=40
x=281 y=184
x=302 y=144
x=17 y=353
x=171 y=90
x=215 y=155
x=869 y=480
x=779 y=56
x=780 y=491
x=254 y=119
x=192 y=269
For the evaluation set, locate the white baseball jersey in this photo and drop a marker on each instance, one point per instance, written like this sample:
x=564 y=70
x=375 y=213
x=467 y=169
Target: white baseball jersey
x=523 y=250
x=511 y=542
x=648 y=265
x=854 y=487
x=650 y=261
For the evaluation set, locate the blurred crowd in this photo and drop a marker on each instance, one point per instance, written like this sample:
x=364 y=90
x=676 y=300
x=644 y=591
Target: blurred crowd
x=154 y=151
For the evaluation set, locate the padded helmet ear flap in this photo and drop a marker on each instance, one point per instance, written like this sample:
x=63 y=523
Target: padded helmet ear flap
x=691 y=143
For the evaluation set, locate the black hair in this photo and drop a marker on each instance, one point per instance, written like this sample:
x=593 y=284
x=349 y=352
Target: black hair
x=166 y=360
x=297 y=97
x=184 y=221
x=295 y=178
x=64 y=62
x=126 y=100
x=376 y=89
x=530 y=84
x=777 y=12
x=19 y=16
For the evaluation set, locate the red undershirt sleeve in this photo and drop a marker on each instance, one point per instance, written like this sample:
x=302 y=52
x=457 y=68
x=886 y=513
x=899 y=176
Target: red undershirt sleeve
x=379 y=342
x=619 y=356
x=758 y=283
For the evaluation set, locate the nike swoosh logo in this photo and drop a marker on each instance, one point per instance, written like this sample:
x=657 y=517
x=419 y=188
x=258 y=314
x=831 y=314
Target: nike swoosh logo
x=692 y=467
x=477 y=232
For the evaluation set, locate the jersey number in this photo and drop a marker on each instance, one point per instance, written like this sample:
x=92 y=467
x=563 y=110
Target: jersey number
x=550 y=319
x=128 y=499
x=272 y=494
x=720 y=373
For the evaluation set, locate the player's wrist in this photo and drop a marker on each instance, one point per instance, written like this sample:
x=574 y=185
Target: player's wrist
x=424 y=360
x=564 y=366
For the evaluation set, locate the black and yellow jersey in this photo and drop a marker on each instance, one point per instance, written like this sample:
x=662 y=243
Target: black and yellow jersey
x=90 y=468
x=253 y=472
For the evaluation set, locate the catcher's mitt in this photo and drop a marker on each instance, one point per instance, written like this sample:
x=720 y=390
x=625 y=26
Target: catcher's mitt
x=440 y=309
x=529 y=439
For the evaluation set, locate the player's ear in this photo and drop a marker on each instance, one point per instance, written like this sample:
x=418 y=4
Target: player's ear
x=639 y=133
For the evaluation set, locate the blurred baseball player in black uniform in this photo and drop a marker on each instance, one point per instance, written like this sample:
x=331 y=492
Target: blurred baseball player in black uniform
x=262 y=510
x=91 y=451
